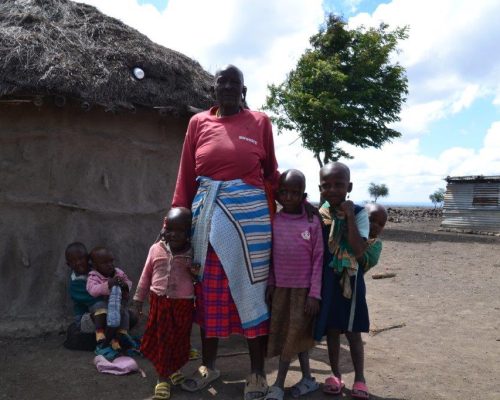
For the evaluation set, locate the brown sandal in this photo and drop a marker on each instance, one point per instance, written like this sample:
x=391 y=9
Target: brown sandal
x=201 y=378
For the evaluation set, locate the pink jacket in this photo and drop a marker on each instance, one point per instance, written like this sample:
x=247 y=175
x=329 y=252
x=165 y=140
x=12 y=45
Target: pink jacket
x=97 y=284
x=166 y=274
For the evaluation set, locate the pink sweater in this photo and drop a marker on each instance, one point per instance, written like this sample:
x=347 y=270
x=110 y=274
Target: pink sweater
x=239 y=146
x=97 y=284
x=165 y=274
x=297 y=253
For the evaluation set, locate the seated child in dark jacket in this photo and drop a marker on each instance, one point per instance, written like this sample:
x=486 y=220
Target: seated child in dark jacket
x=377 y=216
x=78 y=338
x=77 y=258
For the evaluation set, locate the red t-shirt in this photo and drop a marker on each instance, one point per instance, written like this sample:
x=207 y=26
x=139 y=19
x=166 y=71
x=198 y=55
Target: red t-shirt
x=238 y=146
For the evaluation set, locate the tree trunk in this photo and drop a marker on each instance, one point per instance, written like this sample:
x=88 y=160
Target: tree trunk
x=319 y=159
x=328 y=157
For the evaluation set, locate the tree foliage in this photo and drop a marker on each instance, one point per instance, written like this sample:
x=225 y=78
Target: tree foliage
x=343 y=89
x=377 y=191
x=437 y=197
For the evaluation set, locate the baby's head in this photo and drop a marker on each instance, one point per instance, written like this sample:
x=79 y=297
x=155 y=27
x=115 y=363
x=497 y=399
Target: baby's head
x=177 y=230
x=291 y=188
x=335 y=182
x=103 y=261
x=378 y=217
x=77 y=258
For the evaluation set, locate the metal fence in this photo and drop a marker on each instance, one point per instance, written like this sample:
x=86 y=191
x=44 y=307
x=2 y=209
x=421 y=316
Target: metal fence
x=472 y=204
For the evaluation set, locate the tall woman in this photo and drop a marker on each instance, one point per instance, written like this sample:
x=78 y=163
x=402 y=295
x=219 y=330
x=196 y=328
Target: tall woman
x=227 y=156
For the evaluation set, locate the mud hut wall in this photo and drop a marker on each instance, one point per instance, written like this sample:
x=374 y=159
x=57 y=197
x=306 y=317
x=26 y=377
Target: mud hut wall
x=68 y=175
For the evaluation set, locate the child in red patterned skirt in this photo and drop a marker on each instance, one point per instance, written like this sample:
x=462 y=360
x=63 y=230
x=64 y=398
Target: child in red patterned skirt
x=167 y=277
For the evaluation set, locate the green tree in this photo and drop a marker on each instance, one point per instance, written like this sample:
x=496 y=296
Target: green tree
x=377 y=191
x=437 y=197
x=343 y=89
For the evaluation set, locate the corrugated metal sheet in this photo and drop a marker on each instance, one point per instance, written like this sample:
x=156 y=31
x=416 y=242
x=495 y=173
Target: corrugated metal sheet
x=472 y=205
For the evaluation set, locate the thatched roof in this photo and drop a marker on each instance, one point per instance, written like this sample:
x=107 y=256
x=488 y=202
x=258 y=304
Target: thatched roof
x=59 y=47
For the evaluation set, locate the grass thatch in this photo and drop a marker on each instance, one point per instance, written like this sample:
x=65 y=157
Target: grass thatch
x=59 y=47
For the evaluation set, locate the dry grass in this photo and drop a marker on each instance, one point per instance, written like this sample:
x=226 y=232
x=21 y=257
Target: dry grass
x=60 y=47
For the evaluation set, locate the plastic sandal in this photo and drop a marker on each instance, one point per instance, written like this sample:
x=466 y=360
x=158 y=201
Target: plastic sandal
x=194 y=354
x=255 y=383
x=333 y=385
x=304 y=386
x=201 y=378
x=274 y=393
x=177 y=378
x=360 y=391
x=162 y=391
x=107 y=352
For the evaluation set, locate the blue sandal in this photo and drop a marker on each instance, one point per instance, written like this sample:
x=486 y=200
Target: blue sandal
x=107 y=352
x=304 y=386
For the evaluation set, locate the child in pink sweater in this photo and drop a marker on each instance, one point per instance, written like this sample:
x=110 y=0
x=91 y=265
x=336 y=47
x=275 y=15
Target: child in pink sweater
x=167 y=278
x=294 y=285
x=99 y=283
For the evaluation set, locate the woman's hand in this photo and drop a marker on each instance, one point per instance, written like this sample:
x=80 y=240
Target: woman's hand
x=312 y=306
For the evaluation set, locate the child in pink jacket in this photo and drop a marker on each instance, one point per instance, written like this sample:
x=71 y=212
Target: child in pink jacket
x=100 y=283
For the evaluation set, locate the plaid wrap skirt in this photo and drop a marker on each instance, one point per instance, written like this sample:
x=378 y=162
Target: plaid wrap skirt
x=167 y=339
x=216 y=312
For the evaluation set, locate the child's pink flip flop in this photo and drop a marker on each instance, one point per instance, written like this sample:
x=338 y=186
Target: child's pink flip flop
x=333 y=385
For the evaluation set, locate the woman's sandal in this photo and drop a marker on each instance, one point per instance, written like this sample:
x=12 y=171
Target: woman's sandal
x=177 y=378
x=255 y=384
x=200 y=379
x=360 y=391
x=275 y=393
x=304 y=386
x=162 y=391
x=333 y=385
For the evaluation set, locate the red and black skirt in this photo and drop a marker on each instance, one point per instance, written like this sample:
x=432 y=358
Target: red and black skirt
x=167 y=339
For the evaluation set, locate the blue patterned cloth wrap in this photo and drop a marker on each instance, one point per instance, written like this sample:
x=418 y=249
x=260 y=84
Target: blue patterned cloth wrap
x=234 y=218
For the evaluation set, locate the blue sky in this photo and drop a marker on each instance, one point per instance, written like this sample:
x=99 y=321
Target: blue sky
x=450 y=123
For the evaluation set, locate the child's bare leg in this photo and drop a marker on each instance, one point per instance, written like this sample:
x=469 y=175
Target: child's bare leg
x=357 y=355
x=110 y=335
x=100 y=327
x=304 y=364
x=333 y=343
x=283 y=367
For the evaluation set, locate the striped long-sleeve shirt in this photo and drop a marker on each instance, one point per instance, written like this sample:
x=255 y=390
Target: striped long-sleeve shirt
x=297 y=253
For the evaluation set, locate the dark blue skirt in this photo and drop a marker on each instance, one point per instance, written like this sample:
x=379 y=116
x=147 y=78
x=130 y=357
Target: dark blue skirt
x=335 y=310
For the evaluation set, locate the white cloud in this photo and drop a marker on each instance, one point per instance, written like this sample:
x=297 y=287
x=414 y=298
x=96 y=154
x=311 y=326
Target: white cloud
x=451 y=57
x=451 y=54
x=465 y=99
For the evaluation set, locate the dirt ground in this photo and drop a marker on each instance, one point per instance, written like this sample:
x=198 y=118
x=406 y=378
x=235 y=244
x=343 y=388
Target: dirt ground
x=445 y=297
